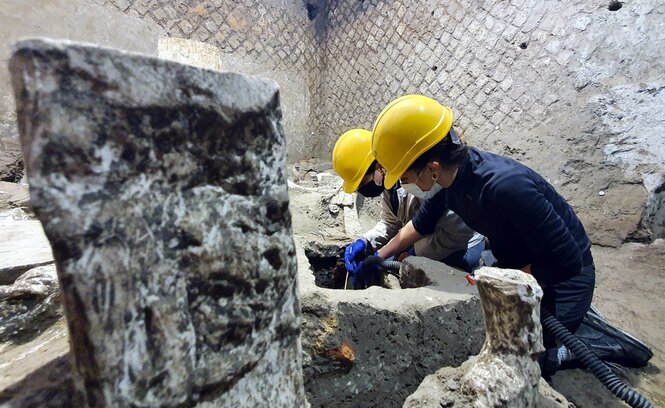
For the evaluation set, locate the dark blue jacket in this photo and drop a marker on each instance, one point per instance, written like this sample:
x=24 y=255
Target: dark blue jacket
x=524 y=218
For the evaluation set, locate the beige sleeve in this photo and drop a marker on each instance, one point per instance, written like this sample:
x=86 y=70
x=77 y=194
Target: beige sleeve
x=386 y=228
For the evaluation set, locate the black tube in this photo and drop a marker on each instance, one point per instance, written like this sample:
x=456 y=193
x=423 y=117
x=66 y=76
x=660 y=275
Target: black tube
x=377 y=260
x=586 y=356
x=593 y=363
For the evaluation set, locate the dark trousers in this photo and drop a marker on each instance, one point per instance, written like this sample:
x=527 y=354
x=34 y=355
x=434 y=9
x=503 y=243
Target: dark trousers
x=568 y=301
x=466 y=260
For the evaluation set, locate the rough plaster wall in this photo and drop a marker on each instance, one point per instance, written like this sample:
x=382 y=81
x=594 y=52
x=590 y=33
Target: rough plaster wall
x=78 y=20
x=270 y=38
x=568 y=87
x=190 y=52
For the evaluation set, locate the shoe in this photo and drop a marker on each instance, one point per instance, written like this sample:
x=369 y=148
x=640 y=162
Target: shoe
x=610 y=343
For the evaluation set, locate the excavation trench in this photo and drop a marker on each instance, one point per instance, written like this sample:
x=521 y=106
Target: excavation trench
x=327 y=264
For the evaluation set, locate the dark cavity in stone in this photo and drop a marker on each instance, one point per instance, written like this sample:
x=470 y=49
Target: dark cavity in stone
x=312 y=10
x=614 y=5
x=327 y=261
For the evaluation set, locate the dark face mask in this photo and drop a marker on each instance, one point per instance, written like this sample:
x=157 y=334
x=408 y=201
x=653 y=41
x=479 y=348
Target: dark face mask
x=370 y=190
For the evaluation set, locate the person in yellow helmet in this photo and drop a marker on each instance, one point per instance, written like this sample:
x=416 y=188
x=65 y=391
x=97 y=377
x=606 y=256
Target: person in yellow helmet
x=451 y=241
x=528 y=224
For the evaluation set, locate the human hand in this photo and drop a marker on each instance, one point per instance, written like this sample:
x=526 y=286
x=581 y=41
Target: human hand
x=352 y=252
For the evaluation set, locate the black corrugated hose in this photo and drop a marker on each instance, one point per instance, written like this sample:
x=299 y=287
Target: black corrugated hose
x=391 y=267
x=610 y=380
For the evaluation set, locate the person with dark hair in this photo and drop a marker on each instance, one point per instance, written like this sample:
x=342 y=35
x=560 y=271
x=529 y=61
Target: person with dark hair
x=450 y=240
x=528 y=224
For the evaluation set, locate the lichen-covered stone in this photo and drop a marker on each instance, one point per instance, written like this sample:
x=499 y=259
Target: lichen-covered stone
x=162 y=190
x=29 y=304
x=506 y=372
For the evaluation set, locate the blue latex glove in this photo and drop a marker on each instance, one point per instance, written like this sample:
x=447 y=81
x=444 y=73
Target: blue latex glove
x=363 y=276
x=352 y=252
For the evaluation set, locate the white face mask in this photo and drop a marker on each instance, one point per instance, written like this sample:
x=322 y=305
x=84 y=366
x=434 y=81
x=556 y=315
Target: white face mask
x=413 y=189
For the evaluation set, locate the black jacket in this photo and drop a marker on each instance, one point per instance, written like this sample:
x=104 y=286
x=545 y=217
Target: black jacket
x=524 y=218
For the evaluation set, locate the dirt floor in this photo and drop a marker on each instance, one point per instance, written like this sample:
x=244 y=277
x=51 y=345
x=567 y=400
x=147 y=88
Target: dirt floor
x=628 y=292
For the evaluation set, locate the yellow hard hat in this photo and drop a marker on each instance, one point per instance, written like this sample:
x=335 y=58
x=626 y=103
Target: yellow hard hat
x=405 y=129
x=352 y=156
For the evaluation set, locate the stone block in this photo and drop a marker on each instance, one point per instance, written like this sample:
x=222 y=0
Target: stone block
x=480 y=98
x=520 y=18
x=186 y=27
x=190 y=52
x=122 y=5
x=371 y=347
x=535 y=16
x=162 y=188
x=506 y=84
x=564 y=56
x=509 y=33
x=201 y=35
x=23 y=246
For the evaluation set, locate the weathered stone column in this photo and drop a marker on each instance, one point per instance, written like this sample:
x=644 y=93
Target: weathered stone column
x=505 y=373
x=507 y=367
x=162 y=189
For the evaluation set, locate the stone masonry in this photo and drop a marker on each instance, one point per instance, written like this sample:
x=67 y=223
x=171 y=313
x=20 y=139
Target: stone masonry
x=571 y=88
x=162 y=190
x=76 y=20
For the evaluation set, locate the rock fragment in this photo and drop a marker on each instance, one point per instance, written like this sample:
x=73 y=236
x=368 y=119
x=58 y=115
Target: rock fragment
x=505 y=373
